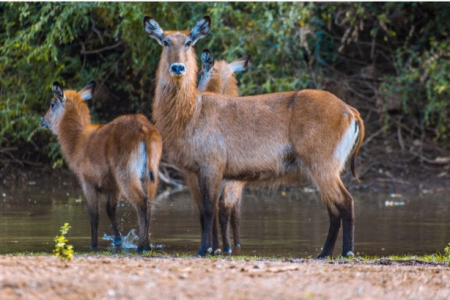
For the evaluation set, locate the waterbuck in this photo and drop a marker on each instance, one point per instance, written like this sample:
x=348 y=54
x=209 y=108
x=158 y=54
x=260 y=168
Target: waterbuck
x=270 y=139
x=218 y=77
x=120 y=158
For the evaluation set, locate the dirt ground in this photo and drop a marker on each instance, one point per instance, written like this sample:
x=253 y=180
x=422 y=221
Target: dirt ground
x=105 y=277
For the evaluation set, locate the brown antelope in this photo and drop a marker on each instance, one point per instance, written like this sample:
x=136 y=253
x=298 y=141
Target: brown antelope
x=218 y=77
x=120 y=158
x=270 y=139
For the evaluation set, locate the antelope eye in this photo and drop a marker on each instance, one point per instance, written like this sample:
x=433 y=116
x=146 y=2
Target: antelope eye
x=189 y=43
x=52 y=105
x=166 y=43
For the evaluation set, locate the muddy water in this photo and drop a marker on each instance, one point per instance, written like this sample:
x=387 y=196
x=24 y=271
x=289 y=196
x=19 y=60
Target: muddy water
x=288 y=223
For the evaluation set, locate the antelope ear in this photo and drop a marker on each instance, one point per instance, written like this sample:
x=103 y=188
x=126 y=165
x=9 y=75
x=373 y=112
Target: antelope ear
x=201 y=29
x=87 y=92
x=58 y=91
x=153 y=29
x=240 y=64
x=207 y=60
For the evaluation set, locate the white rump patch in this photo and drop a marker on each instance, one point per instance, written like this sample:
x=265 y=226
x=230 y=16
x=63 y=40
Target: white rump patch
x=138 y=164
x=345 y=146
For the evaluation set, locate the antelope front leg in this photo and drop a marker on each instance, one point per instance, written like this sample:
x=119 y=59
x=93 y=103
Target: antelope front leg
x=210 y=190
x=224 y=219
x=194 y=189
x=236 y=223
x=92 y=205
x=216 y=246
x=230 y=214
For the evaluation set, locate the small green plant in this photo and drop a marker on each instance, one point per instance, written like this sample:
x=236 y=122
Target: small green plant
x=447 y=251
x=63 y=250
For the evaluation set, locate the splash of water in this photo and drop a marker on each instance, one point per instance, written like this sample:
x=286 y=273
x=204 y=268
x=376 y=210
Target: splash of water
x=128 y=242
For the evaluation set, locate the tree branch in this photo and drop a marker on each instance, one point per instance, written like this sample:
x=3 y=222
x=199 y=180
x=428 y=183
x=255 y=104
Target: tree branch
x=102 y=49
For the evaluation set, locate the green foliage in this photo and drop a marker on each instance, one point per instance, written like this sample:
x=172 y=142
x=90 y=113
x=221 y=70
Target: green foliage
x=63 y=250
x=294 y=46
x=447 y=251
x=422 y=81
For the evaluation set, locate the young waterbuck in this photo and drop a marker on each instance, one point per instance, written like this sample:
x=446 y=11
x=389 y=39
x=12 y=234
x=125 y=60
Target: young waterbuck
x=120 y=158
x=218 y=77
x=269 y=139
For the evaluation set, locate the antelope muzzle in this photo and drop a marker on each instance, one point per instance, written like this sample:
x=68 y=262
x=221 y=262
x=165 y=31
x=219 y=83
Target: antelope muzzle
x=44 y=123
x=177 y=70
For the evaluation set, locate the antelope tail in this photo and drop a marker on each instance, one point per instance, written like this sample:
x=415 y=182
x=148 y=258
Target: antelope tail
x=359 y=142
x=153 y=149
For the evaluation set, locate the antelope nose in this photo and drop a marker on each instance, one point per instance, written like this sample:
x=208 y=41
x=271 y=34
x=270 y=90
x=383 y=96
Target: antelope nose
x=43 y=123
x=177 y=69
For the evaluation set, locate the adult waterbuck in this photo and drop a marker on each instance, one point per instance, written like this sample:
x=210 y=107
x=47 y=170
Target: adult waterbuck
x=269 y=139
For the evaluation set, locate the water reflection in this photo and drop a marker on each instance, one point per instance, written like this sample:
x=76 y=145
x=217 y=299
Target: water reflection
x=273 y=223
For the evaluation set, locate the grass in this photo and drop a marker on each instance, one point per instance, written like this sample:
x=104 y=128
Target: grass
x=29 y=254
x=436 y=258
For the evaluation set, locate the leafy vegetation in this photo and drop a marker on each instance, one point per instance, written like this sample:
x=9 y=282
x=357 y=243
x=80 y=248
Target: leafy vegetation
x=390 y=60
x=447 y=252
x=63 y=250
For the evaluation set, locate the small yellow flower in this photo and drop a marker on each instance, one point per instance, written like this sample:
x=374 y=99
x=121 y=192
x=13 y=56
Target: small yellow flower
x=62 y=250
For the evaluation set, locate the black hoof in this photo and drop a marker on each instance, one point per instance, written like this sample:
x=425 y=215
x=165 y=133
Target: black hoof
x=323 y=256
x=348 y=254
x=227 y=250
x=94 y=248
x=142 y=249
x=204 y=252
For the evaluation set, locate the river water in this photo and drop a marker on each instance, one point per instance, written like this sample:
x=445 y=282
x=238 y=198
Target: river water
x=282 y=223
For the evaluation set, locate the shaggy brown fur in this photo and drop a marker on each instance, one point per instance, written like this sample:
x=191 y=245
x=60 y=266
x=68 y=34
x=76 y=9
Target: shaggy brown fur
x=120 y=158
x=281 y=137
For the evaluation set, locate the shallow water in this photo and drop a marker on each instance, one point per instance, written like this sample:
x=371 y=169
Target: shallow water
x=290 y=223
